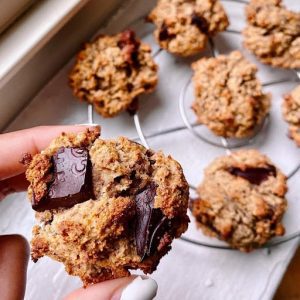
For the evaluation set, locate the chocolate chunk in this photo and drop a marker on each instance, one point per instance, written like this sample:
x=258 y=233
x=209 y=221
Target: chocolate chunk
x=144 y=206
x=254 y=175
x=159 y=225
x=133 y=107
x=131 y=55
x=151 y=224
x=129 y=87
x=200 y=23
x=130 y=46
x=127 y=37
x=128 y=70
x=164 y=33
x=147 y=86
x=72 y=180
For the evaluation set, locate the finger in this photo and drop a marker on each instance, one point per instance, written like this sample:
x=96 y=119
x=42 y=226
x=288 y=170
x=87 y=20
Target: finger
x=14 y=253
x=128 y=288
x=14 y=144
x=12 y=185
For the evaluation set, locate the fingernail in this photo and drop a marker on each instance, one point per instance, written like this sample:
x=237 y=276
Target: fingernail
x=91 y=125
x=141 y=288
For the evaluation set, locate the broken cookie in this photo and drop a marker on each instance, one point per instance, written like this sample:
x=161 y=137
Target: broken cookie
x=105 y=207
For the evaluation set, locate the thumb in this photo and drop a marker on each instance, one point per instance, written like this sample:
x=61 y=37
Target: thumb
x=14 y=253
x=128 y=288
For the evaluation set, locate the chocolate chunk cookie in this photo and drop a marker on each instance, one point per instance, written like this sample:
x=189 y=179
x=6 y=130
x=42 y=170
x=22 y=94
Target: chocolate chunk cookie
x=105 y=207
x=228 y=96
x=183 y=26
x=291 y=113
x=241 y=200
x=112 y=71
x=273 y=33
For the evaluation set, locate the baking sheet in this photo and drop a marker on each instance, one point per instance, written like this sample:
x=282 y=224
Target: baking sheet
x=188 y=271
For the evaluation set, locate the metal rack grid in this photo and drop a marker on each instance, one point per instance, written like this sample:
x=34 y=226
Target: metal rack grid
x=224 y=142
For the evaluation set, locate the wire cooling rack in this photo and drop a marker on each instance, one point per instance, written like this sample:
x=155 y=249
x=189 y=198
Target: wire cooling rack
x=227 y=144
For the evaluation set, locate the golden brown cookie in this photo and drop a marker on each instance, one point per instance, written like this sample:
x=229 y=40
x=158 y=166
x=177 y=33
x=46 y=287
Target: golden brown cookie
x=105 y=207
x=228 y=97
x=183 y=26
x=273 y=33
x=112 y=71
x=241 y=200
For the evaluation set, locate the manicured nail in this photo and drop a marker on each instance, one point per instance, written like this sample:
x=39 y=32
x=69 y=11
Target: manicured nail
x=141 y=288
x=88 y=124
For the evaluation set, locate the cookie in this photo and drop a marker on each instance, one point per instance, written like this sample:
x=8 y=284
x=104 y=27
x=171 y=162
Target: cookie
x=112 y=71
x=228 y=97
x=105 y=207
x=291 y=113
x=241 y=200
x=273 y=33
x=183 y=26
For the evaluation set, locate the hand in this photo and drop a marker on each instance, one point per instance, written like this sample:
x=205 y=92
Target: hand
x=14 y=249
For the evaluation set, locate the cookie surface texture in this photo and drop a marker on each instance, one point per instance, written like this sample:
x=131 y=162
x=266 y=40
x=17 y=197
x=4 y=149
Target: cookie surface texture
x=273 y=33
x=124 y=207
x=228 y=97
x=241 y=200
x=183 y=26
x=112 y=71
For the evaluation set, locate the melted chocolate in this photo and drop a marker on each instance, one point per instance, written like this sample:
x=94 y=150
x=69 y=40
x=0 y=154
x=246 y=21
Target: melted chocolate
x=254 y=175
x=72 y=180
x=151 y=223
x=200 y=23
